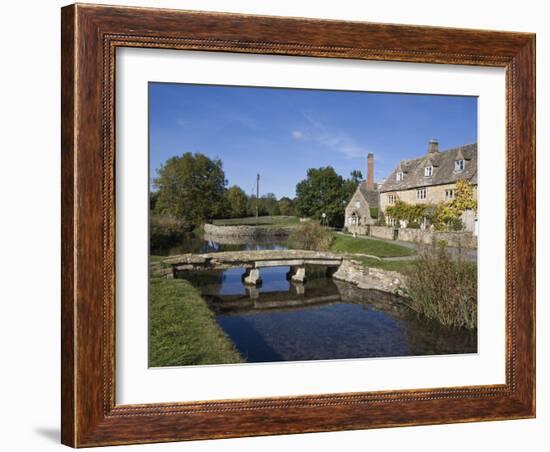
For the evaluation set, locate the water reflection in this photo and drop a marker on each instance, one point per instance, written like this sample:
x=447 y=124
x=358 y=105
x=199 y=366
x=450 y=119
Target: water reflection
x=198 y=242
x=321 y=319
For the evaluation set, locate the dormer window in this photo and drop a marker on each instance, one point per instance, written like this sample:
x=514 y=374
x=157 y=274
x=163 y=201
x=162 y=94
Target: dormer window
x=399 y=176
x=428 y=171
x=459 y=165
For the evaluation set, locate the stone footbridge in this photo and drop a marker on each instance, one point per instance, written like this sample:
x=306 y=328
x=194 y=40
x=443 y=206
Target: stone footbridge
x=253 y=261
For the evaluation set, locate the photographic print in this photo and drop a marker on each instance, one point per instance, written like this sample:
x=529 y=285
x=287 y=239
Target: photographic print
x=304 y=224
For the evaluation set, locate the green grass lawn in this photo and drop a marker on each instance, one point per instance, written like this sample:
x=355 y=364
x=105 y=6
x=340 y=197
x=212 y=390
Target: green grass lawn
x=363 y=245
x=280 y=220
x=183 y=330
x=394 y=266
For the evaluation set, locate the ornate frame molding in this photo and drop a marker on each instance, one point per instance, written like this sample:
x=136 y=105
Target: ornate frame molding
x=90 y=36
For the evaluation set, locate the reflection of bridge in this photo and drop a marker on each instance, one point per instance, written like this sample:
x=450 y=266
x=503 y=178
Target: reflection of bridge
x=253 y=261
x=269 y=301
x=318 y=292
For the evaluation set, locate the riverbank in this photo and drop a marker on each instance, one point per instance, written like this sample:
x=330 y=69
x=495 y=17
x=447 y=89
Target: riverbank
x=183 y=330
x=371 y=278
x=271 y=221
x=374 y=247
x=390 y=264
x=247 y=232
x=386 y=266
x=208 y=319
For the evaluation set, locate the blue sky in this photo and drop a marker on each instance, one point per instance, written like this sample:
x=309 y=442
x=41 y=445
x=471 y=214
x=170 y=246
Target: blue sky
x=280 y=133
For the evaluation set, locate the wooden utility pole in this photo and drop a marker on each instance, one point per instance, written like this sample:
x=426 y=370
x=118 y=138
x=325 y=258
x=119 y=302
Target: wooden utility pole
x=257 y=196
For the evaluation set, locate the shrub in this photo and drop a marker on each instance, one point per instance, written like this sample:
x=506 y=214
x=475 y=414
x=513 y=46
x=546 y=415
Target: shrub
x=374 y=212
x=442 y=288
x=164 y=231
x=456 y=225
x=446 y=215
x=445 y=218
x=310 y=236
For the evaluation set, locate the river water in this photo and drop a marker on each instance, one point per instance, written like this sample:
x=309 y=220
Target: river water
x=321 y=319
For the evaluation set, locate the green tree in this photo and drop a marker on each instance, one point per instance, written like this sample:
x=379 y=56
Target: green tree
x=323 y=191
x=350 y=185
x=285 y=206
x=269 y=205
x=237 y=201
x=153 y=197
x=356 y=176
x=191 y=187
x=251 y=206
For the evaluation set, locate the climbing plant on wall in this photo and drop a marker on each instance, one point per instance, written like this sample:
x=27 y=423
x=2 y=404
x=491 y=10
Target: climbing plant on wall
x=443 y=216
x=411 y=213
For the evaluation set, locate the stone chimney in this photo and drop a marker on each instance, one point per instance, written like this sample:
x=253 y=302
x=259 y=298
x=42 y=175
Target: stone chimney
x=370 y=172
x=433 y=146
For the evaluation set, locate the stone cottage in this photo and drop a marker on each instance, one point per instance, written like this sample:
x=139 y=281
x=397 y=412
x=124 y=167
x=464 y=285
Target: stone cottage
x=431 y=178
x=364 y=203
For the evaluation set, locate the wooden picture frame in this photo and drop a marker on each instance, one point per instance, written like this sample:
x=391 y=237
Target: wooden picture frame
x=90 y=36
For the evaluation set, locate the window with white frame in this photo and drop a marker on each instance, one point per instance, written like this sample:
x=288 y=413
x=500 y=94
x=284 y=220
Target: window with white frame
x=421 y=193
x=459 y=165
x=449 y=194
x=428 y=171
x=391 y=199
x=399 y=176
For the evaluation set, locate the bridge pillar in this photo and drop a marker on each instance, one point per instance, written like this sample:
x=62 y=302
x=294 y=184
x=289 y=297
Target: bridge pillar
x=253 y=292
x=299 y=288
x=297 y=274
x=252 y=277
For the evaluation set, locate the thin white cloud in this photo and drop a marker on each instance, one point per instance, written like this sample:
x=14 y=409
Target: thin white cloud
x=335 y=139
x=342 y=144
x=297 y=134
x=182 y=122
x=216 y=117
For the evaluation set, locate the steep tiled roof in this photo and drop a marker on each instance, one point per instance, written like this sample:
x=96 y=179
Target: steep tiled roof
x=372 y=196
x=443 y=169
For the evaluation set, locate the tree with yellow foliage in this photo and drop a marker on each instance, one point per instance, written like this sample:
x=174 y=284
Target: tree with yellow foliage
x=447 y=214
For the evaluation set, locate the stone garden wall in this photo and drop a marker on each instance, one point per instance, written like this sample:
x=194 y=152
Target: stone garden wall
x=454 y=239
x=382 y=232
x=245 y=231
x=359 y=229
